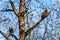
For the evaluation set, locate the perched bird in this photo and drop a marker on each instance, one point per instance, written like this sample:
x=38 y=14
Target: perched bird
x=45 y=14
x=11 y=32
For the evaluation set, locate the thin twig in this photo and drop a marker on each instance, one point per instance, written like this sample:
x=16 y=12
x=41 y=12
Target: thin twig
x=6 y=10
x=4 y=35
x=15 y=37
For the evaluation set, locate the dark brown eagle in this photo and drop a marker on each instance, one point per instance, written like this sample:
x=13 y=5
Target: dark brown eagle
x=44 y=14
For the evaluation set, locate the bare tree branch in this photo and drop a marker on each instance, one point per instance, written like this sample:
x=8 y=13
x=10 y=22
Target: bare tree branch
x=15 y=37
x=30 y=12
x=6 y=10
x=13 y=7
x=34 y=26
x=43 y=38
x=4 y=35
x=4 y=20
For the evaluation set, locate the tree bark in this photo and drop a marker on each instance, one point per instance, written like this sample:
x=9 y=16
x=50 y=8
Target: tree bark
x=21 y=20
x=21 y=28
x=20 y=15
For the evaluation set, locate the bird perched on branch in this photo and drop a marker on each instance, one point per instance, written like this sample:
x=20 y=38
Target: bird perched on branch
x=11 y=32
x=45 y=14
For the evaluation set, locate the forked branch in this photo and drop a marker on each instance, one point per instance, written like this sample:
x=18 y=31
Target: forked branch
x=30 y=29
x=34 y=26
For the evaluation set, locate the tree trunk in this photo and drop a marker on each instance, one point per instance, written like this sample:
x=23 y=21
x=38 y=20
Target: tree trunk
x=21 y=27
x=21 y=20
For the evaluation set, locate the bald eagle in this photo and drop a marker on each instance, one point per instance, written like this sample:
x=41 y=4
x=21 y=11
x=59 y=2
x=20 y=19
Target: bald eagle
x=44 y=14
x=11 y=32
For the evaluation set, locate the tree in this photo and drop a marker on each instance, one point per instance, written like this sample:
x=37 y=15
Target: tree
x=20 y=15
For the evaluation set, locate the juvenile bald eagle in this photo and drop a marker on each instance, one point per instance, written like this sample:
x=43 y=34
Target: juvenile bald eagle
x=45 y=14
x=11 y=32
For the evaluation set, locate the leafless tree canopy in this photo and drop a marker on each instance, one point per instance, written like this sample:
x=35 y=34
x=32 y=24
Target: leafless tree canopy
x=30 y=20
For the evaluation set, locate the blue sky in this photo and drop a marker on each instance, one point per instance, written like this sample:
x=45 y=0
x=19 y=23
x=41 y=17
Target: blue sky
x=33 y=5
